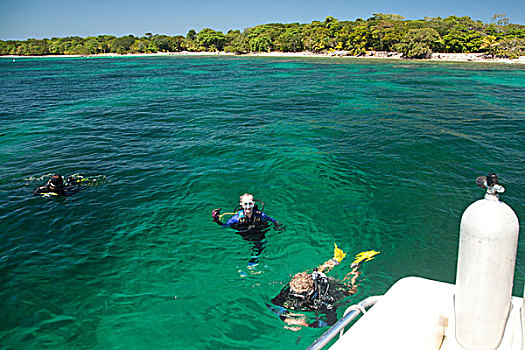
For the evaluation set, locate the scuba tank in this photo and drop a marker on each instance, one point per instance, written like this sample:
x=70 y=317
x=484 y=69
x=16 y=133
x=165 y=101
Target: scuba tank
x=320 y=296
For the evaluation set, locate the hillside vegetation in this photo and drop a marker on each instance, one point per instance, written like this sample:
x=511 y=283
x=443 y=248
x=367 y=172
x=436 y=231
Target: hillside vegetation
x=381 y=32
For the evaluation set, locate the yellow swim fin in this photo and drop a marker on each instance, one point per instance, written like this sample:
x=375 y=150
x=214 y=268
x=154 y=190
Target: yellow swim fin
x=364 y=256
x=338 y=254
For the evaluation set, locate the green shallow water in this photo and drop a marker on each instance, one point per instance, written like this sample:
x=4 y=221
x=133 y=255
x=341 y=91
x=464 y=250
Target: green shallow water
x=368 y=154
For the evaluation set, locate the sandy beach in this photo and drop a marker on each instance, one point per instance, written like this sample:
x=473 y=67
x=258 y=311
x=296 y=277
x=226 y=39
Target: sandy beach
x=457 y=57
x=453 y=57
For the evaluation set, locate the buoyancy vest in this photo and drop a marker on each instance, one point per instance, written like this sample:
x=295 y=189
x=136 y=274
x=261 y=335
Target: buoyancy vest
x=245 y=220
x=314 y=299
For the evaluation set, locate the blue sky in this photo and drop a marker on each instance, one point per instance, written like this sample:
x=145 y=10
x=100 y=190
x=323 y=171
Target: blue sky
x=23 y=19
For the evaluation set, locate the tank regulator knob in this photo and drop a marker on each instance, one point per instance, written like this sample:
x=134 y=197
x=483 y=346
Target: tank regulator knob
x=490 y=182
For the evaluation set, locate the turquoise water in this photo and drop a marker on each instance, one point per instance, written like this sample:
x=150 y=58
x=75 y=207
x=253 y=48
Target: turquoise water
x=367 y=154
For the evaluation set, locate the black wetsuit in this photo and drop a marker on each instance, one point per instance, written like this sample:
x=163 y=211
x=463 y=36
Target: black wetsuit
x=68 y=189
x=240 y=222
x=287 y=300
x=251 y=229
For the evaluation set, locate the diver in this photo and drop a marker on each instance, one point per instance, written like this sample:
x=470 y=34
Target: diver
x=249 y=216
x=250 y=222
x=318 y=293
x=56 y=186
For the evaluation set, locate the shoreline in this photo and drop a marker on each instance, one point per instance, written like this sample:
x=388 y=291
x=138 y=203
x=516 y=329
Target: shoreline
x=445 y=57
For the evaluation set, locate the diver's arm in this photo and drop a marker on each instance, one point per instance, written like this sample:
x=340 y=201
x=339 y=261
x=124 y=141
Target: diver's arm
x=265 y=217
x=216 y=215
x=327 y=265
x=233 y=220
x=39 y=190
x=338 y=257
x=294 y=321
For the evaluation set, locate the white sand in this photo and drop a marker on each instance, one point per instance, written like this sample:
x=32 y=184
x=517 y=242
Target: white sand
x=457 y=57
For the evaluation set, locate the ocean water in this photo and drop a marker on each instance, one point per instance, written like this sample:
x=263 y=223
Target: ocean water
x=367 y=154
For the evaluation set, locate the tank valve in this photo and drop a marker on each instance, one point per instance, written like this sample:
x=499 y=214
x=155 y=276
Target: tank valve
x=490 y=182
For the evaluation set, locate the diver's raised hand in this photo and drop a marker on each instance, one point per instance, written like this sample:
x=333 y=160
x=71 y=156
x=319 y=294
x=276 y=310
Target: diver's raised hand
x=216 y=214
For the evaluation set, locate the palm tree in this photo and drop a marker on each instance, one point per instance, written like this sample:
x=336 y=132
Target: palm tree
x=490 y=43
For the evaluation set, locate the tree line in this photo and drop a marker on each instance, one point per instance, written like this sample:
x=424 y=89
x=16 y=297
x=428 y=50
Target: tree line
x=381 y=32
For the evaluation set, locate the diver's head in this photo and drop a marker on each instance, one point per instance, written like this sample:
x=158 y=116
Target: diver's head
x=56 y=182
x=301 y=283
x=247 y=203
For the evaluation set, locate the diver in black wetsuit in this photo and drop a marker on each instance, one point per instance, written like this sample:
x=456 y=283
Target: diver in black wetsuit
x=250 y=222
x=314 y=296
x=57 y=187
x=316 y=292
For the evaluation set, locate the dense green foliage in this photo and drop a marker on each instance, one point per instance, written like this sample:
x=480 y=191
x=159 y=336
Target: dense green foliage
x=382 y=32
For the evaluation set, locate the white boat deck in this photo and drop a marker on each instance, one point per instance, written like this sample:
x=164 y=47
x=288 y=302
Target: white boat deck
x=418 y=314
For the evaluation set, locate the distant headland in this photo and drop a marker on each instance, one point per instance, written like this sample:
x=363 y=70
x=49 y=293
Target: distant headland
x=380 y=36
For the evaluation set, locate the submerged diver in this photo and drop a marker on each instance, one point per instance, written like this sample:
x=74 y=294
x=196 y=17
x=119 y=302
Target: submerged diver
x=316 y=292
x=56 y=186
x=250 y=222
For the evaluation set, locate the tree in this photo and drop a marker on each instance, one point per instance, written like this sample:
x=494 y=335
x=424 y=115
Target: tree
x=500 y=19
x=235 y=42
x=4 y=49
x=386 y=17
x=140 y=45
x=36 y=47
x=192 y=34
x=500 y=24
x=89 y=47
x=261 y=38
x=291 y=40
x=385 y=31
x=162 y=43
x=104 y=43
x=317 y=37
x=123 y=44
x=415 y=38
x=211 y=40
x=462 y=41
x=511 y=47
x=191 y=40
x=358 y=39
x=490 y=43
x=419 y=43
x=177 y=43
x=464 y=23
